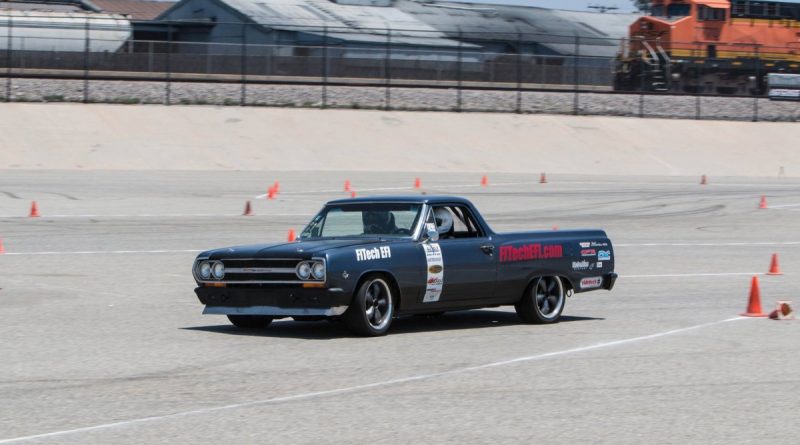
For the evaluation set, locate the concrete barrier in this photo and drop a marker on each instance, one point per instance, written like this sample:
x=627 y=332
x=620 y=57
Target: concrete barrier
x=148 y=137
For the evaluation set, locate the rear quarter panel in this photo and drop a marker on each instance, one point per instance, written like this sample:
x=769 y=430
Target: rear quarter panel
x=581 y=257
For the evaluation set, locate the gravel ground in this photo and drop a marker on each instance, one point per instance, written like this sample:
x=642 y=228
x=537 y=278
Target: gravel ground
x=686 y=107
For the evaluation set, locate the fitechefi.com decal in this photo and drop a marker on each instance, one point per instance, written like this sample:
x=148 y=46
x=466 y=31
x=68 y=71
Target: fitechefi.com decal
x=591 y=283
x=604 y=255
x=376 y=253
x=435 y=278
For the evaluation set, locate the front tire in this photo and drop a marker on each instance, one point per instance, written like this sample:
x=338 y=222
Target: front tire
x=370 y=314
x=543 y=301
x=250 y=321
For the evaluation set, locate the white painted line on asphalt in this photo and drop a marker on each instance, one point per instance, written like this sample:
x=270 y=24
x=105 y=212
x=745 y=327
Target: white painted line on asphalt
x=673 y=275
x=384 y=189
x=348 y=389
x=737 y=244
x=783 y=206
x=101 y=252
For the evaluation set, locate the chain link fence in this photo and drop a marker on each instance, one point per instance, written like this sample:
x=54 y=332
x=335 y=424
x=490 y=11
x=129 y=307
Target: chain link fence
x=513 y=72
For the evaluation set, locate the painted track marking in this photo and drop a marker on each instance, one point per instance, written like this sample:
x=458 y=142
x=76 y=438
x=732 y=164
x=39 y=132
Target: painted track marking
x=349 y=389
x=701 y=244
x=689 y=275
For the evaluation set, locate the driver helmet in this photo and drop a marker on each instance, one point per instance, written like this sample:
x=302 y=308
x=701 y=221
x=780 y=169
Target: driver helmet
x=444 y=220
x=377 y=221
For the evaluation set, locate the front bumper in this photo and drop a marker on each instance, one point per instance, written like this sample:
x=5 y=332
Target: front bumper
x=279 y=302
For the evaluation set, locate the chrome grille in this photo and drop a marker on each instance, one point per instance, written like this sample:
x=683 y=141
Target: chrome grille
x=260 y=270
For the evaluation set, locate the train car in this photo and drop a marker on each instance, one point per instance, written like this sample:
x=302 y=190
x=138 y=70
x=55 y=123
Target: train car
x=710 y=46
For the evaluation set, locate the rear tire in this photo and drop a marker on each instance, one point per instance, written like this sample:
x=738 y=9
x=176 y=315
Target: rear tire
x=370 y=314
x=543 y=301
x=250 y=321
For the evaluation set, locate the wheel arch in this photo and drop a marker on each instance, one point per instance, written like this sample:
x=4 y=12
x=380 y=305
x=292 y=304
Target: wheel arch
x=390 y=279
x=533 y=277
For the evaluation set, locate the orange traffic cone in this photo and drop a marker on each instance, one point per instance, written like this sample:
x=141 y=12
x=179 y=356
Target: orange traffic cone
x=484 y=181
x=763 y=203
x=417 y=183
x=703 y=180
x=291 y=236
x=555 y=227
x=271 y=193
x=353 y=194
x=774 y=268
x=754 y=304
x=34 y=210
x=347 y=185
x=248 y=211
x=276 y=186
x=2 y=249
x=543 y=179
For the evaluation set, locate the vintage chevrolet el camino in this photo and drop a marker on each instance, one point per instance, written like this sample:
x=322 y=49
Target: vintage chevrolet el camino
x=369 y=260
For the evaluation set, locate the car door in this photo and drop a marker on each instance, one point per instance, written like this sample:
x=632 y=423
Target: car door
x=468 y=261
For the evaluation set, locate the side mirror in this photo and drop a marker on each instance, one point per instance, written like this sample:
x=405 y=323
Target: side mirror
x=433 y=236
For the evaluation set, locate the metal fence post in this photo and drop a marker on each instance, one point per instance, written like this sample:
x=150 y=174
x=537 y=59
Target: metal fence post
x=387 y=100
x=519 y=73
x=575 y=101
x=86 y=62
x=698 y=112
x=9 y=54
x=168 y=67
x=243 y=66
x=757 y=86
x=324 y=67
x=458 y=72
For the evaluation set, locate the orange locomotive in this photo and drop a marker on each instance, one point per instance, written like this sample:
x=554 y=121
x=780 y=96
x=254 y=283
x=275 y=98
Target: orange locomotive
x=710 y=46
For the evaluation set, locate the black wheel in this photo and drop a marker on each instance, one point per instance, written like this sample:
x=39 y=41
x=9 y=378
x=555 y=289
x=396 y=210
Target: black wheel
x=250 y=321
x=543 y=301
x=370 y=314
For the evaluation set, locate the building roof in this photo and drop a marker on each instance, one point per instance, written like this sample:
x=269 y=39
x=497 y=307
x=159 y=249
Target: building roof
x=135 y=9
x=438 y=23
x=42 y=6
x=349 y=22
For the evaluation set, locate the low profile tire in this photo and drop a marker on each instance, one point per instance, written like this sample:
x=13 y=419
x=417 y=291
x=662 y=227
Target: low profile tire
x=370 y=314
x=543 y=301
x=250 y=321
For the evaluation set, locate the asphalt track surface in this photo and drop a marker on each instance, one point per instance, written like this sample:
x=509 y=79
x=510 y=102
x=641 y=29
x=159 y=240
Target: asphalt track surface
x=103 y=340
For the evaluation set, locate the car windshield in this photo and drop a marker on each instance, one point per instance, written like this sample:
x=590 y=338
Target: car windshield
x=364 y=219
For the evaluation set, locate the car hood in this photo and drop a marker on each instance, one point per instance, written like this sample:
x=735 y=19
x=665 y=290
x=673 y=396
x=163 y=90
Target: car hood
x=296 y=249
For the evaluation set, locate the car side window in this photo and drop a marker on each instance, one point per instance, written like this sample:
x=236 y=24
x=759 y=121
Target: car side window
x=461 y=223
x=465 y=225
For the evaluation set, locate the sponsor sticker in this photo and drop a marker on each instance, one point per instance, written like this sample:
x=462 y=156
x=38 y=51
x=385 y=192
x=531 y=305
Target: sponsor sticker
x=584 y=244
x=435 y=281
x=604 y=255
x=580 y=265
x=588 y=252
x=596 y=244
x=376 y=253
x=591 y=283
x=530 y=252
x=599 y=264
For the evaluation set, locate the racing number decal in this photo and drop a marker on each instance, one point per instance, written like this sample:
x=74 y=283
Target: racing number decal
x=435 y=265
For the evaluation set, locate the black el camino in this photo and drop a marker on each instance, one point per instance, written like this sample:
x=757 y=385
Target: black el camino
x=370 y=260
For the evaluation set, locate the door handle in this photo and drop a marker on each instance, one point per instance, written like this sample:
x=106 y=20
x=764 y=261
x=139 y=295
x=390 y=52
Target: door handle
x=488 y=249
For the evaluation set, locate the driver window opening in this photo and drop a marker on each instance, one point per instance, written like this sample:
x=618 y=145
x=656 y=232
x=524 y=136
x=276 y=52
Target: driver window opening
x=454 y=222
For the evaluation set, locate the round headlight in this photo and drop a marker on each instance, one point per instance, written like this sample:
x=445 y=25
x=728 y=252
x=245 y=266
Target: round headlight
x=218 y=270
x=303 y=270
x=205 y=270
x=318 y=270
